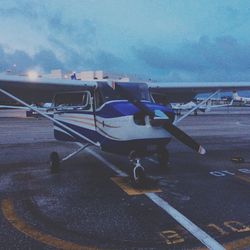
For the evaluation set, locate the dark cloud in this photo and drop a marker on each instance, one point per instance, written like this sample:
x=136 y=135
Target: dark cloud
x=73 y=38
x=106 y=60
x=44 y=60
x=79 y=31
x=26 y=9
x=224 y=58
x=47 y=60
x=96 y=60
x=16 y=11
x=20 y=58
x=91 y=60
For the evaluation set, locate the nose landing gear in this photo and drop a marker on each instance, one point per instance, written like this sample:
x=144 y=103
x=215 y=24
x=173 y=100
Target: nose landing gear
x=138 y=172
x=137 y=175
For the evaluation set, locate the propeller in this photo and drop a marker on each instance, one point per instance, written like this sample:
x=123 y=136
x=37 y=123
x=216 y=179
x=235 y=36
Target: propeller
x=184 y=138
x=158 y=117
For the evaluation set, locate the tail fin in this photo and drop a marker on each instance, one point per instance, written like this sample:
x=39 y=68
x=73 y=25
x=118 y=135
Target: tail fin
x=235 y=95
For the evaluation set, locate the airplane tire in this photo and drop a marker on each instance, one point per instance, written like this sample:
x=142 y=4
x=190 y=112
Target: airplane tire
x=138 y=176
x=54 y=162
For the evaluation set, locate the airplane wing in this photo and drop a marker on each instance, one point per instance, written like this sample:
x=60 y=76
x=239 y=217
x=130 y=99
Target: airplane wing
x=185 y=91
x=38 y=89
x=13 y=107
x=43 y=90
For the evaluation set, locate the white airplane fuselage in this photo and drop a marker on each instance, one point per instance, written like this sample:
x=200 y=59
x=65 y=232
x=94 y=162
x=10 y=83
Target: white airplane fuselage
x=114 y=127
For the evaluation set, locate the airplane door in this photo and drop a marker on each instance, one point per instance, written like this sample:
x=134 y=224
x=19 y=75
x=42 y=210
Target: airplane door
x=74 y=109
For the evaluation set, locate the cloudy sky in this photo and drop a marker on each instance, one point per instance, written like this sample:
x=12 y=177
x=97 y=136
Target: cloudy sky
x=171 y=40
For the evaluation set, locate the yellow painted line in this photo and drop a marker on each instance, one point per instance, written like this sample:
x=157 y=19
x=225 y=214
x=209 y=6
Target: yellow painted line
x=19 y=224
x=124 y=184
x=171 y=237
x=243 y=178
x=238 y=244
x=234 y=245
x=174 y=238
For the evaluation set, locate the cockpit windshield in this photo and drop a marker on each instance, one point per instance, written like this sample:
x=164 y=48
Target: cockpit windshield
x=137 y=91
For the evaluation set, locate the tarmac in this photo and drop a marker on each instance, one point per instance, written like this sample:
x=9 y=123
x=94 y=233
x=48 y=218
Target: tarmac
x=200 y=202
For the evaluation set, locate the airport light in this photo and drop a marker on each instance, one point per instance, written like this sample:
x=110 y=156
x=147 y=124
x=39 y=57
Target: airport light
x=32 y=75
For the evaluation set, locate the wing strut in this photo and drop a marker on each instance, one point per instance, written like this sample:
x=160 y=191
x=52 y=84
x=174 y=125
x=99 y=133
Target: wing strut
x=67 y=128
x=196 y=107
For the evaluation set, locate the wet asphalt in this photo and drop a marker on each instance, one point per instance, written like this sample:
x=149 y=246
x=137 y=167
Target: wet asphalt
x=82 y=208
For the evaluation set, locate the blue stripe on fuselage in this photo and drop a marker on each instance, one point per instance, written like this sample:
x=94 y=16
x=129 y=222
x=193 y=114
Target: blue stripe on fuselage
x=115 y=109
x=125 y=108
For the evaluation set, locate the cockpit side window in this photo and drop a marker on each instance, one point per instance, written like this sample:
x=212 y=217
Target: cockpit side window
x=73 y=100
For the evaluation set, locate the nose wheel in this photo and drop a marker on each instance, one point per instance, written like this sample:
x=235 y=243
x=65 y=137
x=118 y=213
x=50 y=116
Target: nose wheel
x=138 y=176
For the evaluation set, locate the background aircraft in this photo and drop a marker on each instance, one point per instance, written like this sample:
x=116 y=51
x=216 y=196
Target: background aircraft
x=179 y=107
x=240 y=99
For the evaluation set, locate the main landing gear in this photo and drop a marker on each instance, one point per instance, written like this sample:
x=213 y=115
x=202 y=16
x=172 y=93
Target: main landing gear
x=55 y=161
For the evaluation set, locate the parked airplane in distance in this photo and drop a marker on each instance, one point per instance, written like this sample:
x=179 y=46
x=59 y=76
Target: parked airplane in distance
x=240 y=99
x=208 y=106
x=207 y=103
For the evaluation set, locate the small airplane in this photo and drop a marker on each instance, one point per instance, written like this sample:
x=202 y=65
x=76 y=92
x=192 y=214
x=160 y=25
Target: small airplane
x=240 y=99
x=118 y=117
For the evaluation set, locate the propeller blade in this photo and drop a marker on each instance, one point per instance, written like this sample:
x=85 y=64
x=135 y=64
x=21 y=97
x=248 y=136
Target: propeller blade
x=184 y=138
